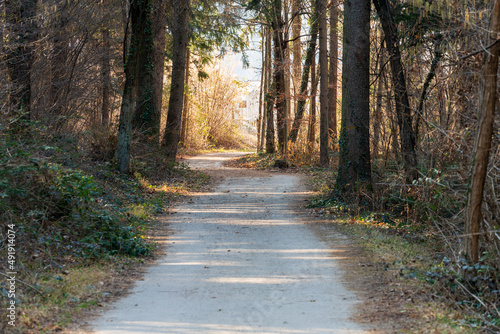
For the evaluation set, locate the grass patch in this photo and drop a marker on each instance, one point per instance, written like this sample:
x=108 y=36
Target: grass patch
x=255 y=160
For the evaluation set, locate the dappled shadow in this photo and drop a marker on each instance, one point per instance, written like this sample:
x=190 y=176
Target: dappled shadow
x=240 y=260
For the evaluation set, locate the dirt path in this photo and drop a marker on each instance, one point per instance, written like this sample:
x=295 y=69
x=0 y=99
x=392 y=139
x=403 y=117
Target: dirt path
x=241 y=259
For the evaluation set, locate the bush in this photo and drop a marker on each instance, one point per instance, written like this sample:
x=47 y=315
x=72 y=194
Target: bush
x=58 y=210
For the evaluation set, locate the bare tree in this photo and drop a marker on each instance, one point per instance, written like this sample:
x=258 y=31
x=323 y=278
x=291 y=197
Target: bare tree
x=333 y=80
x=296 y=45
x=185 y=112
x=487 y=104
x=159 y=38
x=324 y=100
x=385 y=10
x=302 y=98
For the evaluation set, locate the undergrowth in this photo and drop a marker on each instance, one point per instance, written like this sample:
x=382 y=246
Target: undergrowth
x=426 y=215
x=72 y=212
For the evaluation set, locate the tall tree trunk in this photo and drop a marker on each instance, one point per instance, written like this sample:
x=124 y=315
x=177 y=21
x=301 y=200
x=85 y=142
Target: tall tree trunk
x=106 y=76
x=286 y=77
x=301 y=103
x=296 y=46
x=354 y=165
x=323 y=97
x=280 y=46
x=269 y=99
x=159 y=39
x=146 y=117
x=137 y=15
x=19 y=14
x=377 y=115
x=311 y=133
x=59 y=68
x=403 y=111
x=332 y=91
x=185 y=113
x=180 y=45
x=487 y=104
x=262 y=114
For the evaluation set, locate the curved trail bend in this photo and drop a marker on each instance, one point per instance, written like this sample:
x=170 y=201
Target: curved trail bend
x=241 y=260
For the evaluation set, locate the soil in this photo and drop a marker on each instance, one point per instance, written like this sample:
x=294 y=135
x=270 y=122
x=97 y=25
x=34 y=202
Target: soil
x=246 y=256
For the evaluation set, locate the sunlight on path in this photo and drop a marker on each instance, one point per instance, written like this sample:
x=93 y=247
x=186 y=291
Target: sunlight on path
x=240 y=261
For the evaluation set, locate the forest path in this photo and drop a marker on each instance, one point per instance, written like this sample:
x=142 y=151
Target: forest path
x=242 y=259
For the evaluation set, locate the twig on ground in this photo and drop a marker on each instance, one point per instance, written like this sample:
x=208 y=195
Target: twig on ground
x=20 y=281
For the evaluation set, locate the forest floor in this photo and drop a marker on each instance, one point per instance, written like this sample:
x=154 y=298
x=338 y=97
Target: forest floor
x=247 y=255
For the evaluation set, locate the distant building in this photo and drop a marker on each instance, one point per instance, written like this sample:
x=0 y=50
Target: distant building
x=249 y=107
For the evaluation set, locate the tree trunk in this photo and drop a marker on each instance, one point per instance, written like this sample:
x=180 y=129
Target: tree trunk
x=180 y=45
x=185 y=113
x=354 y=165
x=136 y=14
x=323 y=97
x=106 y=77
x=159 y=40
x=311 y=133
x=59 y=69
x=146 y=117
x=332 y=91
x=262 y=114
x=296 y=51
x=279 y=73
x=301 y=103
x=378 y=110
x=487 y=104
x=286 y=77
x=403 y=111
x=269 y=99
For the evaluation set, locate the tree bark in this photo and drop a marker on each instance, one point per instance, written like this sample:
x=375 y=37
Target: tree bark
x=136 y=15
x=296 y=46
x=301 y=103
x=159 y=39
x=332 y=91
x=262 y=114
x=185 y=113
x=106 y=77
x=487 y=103
x=146 y=118
x=180 y=45
x=354 y=165
x=311 y=133
x=403 y=111
x=280 y=46
x=324 y=85
x=378 y=109
x=59 y=67
x=269 y=99
x=286 y=77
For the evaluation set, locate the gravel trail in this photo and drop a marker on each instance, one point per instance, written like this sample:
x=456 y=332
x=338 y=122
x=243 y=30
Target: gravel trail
x=242 y=259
